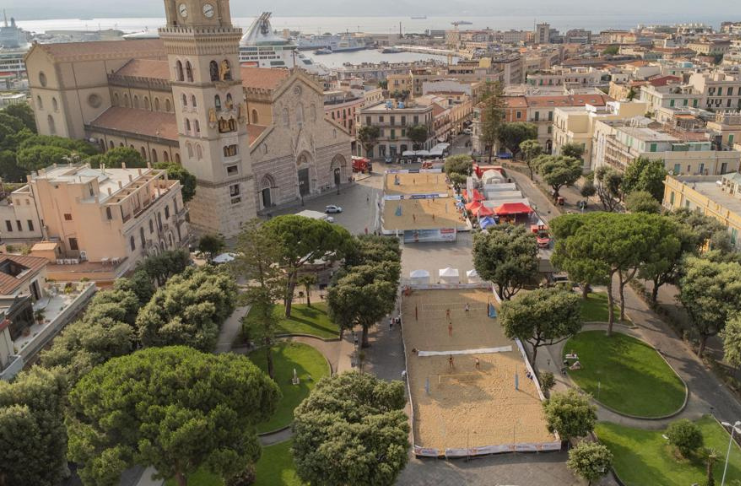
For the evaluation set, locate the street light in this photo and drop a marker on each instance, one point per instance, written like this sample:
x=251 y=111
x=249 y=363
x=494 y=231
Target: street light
x=734 y=428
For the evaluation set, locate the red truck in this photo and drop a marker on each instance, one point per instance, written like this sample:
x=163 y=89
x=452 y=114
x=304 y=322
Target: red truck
x=542 y=235
x=362 y=165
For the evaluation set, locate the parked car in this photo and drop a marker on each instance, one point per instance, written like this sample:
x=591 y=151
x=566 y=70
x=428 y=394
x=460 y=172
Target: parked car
x=467 y=131
x=332 y=209
x=362 y=165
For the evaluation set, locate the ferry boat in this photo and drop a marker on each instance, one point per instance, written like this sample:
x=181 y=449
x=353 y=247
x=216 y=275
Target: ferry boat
x=323 y=51
x=337 y=43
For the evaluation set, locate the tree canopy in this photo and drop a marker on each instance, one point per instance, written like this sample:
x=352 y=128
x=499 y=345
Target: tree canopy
x=172 y=408
x=511 y=135
x=590 y=461
x=531 y=150
x=642 y=202
x=570 y=414
x=645 y=174
x=418 y=134
x=161 y=267
x=180 y=173
x=609 y=186
x=33 y=439
x=507 y=256
x=352 y=430
x=23 y=112
x=115 y=158
x=368 y=136
x=558 y=171
x=459 y=164
x=492 y=115
x=542 y=317
x=211 y=245
x=573 y=150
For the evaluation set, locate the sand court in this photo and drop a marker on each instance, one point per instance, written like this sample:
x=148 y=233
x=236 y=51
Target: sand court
x=472 y=402
x=416 y=183
x=418 y=214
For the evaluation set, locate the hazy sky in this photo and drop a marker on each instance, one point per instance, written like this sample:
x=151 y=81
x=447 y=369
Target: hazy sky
x=671 y=10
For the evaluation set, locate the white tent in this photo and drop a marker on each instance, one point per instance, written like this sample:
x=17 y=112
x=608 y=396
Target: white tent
x=502 y=186
x=492 y=177
x=420 y=277
x=224 y=258
x=473 y=276
x=449 y=276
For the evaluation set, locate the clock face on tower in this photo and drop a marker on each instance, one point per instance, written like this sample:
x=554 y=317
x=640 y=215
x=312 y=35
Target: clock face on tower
x=208 y=10
x=183 y=9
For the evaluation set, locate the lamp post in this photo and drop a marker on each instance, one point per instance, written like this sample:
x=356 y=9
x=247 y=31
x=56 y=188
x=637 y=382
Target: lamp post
x=734 y=428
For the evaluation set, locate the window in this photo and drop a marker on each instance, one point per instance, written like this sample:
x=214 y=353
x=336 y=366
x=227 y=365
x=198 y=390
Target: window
x=151 y=226
x=518 y=115
x=168 y=105
x=368 y=121
x=178 y=73
x=147 y=105
x=177 y=158
x=42 y=79
x=30 y=224
x=8 y=225
x=40 y=104
x=230 y=150
x=166 y=156
x=199 y=152
x=255 y=119
x=67 y=217
x=185 y=101
x=193 y=101
x=18 y=224
x=189 y=71
x=143 y=151
x=671 y=103
x=730 y=90
x=380 y=119
x=189 y=147
x=671 y=198
x=141 y=237
x=136 y=102
x=108 y=213
x=653 y=147
x=300 y=115
x=286 y=119
x=234 y=190
x=132 y=243
x=167 y=212
x=537 y=116
x=232 y=170
x=550 y=116
x=217 y=102
x=416 y=120
x=156 y=104
x=154 y=156
x=73 y=246
x=393 y=119
x=52 y=125
x=213 y=69
x=187 y=125
x=197 y=126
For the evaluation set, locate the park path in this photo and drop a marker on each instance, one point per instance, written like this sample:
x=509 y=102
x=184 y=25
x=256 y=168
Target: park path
x=707 y=395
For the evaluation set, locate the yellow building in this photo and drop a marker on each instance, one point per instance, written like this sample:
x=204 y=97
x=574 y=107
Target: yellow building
x=717 y=197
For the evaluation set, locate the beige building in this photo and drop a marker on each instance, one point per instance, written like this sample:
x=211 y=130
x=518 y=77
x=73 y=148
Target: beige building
x=717 y=197
x=720 y=90
x=726 y=128
x=575 y=125
x=98 y=223
x=393 y=120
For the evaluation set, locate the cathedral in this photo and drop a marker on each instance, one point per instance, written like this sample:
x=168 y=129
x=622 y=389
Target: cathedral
x=255 y=138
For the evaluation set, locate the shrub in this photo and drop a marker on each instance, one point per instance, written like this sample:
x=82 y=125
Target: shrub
x=686 y=436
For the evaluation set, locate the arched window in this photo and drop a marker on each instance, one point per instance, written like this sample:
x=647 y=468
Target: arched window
x=52 y=126
x=168 y=105
x=177 y=158
x=154 y=156
x=127 y=103
x=132 y=243
x=213 y=68
x=136 y=102
x=232 y=125
x=151 y=226
x=286 y=120
x=199 y=152
x=141 y=237
x=121 y=144
x=179 y=71
x=166 y=156
x=187 y=125
x=115 y=99
x=185 y=100
x=229 y=101
x=144 y=153
x=112 y=145
x=255 y=119
x=300 y=114
x=54 y=104
x=39 y=103
x=190 y=150
x=197 y=126
x=189 y=71
x=156 y=104
x=147 y=105
x=217 y=102
x=193 y=101
x=132 y=147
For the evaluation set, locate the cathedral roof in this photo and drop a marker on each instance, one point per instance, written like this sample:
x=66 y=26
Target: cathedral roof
x=138 y=122
x=263 y=78
x=145 y=68
x=100 y=50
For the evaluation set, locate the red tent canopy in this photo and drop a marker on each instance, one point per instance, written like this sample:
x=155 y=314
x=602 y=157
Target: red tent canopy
x=513 y=208
x=484 y=211
x=477 y=196
x=473 y=206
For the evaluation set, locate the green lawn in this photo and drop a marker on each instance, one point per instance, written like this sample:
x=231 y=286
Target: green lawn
x=310 y=367
x=304 y=320
x=275 y=467
x=594 y=308
x=643 y=457
x=631 y=376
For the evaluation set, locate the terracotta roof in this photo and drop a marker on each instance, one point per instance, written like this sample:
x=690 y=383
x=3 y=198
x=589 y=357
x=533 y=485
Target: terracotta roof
x=515 y=102
x=8 y=283
x=106 y=49
x=145 y=68
x=663 y=80
x=254 y=132
x=263 y=78
x=138 y=122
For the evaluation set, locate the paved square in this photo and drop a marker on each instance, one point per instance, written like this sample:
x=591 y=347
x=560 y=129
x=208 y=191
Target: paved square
x=416 y=183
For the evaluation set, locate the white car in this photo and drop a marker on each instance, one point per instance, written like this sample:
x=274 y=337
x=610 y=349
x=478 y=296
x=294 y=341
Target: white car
x=332 y=209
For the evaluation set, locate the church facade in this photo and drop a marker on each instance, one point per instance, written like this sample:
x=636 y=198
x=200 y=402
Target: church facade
x=254 y=138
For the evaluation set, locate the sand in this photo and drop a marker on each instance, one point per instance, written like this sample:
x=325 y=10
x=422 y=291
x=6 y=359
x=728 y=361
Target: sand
x=422 y=214
x=416 y=184
x=467 y=407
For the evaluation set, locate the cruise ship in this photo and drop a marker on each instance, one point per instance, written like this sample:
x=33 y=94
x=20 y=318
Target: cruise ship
x=261 y=47
x=13 y=46
x=335 y=43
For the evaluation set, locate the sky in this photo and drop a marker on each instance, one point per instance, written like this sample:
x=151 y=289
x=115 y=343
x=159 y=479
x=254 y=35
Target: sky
x=686 y=10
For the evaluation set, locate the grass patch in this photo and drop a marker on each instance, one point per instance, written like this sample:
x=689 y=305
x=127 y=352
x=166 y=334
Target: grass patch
x=312 y=320
x=310 y=367
x=644 y=457
x=275 y=467
x=594 y=308
x=632 y=377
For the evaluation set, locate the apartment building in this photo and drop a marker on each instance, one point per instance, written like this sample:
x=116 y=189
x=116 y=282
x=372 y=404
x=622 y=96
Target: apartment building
x=99 y=221
x=341 y=106
x=393 y=119
x=617 y=143
x=575 y=125
x=570 y=77
x=726 y=129
x=717 y=197
x=720 y=90
x=670 y=96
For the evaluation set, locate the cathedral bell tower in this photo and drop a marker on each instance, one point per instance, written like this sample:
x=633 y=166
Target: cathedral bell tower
x=203 y=53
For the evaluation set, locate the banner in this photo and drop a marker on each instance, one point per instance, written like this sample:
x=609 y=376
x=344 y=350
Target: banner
x=430 y=235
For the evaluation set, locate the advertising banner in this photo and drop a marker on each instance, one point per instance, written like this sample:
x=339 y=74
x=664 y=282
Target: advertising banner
x=430 y=235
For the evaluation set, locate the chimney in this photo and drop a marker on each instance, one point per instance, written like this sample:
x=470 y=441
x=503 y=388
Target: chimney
x=110 y=193
x=120 y=185
x=131 y=178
